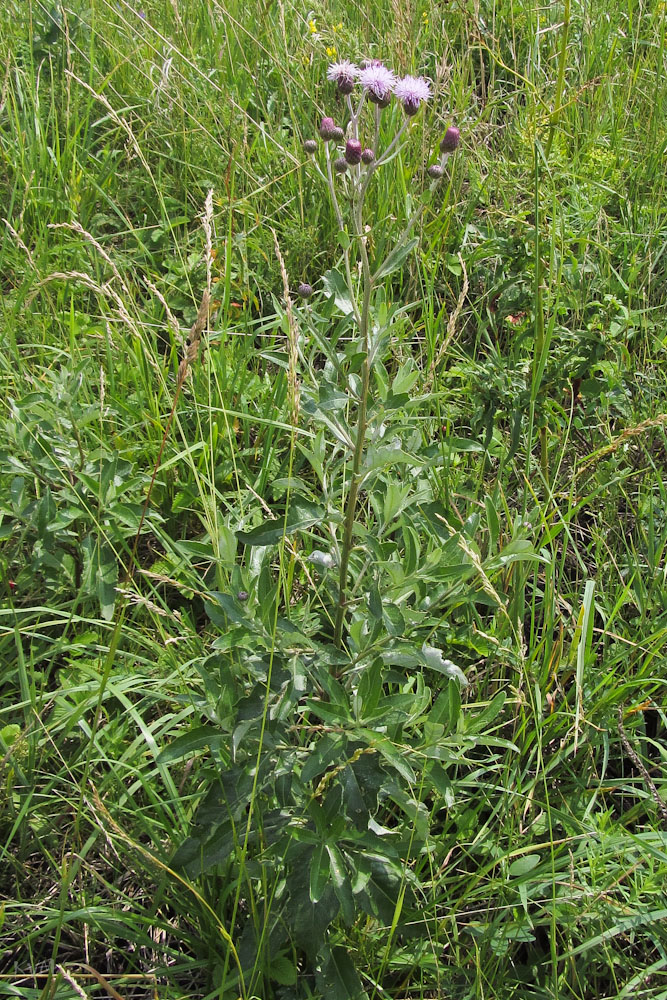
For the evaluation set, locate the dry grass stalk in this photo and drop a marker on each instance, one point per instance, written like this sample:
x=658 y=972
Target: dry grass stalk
x=293 y=338
x=21 y=244
x=207 y=223
x=626 y=435
x=72 y=982
x=5 y=83
x=116 y=118
x=634 y=757
x=76 y=227
x=172 y=322
x=193 y=343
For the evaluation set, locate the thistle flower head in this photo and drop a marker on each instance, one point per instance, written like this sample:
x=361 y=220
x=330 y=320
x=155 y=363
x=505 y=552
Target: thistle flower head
x=411 y=91
x=367 y=156
x=340 y=165
x=310 y=146
x=338 y=133
x=435 y=171
x=353 y=151
x=378 y=82
x=344 y=74
x=451 y=140
x=305 y=290
x=327 y=129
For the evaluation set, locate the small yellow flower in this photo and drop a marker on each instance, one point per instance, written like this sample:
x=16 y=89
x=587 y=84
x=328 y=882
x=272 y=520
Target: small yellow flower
x=331 y=51
x=312 y=27
x=425 y=19
x=338 y=27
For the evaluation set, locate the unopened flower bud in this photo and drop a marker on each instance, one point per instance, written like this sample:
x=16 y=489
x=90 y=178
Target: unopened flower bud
x=353 y=151
x=340 y=165
x=338 y=134
x=242 y=595
x=367 y=156
x=328 y=129
x=310 y=146
x=435 y=171
x=451 y=140
x=305 y=290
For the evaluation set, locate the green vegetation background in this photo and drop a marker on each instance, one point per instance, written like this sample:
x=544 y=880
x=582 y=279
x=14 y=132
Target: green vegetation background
x=542 y=858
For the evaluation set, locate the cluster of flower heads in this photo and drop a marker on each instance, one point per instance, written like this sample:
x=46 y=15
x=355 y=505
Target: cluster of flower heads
x=379 y=83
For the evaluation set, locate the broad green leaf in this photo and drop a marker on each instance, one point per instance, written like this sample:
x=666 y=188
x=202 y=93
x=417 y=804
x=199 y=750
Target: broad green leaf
x=394 y=622
x=333 y=714
x=375 y=602
x=319 y=872
x=369 y=690
x=434 y=659
x=341 y=883
x=10 y=733
x=447 y=707
x=519 y=550
x=335 y=285
x=338 y=979
x=523 y=865
x=233 y=610
x=395 y=259
x=482 y=721
x=329 y=749
x=438 y=777
x=283 y=971
x=404 y=379
x=391 y=754
x=100 y=574
x=301 y=515
x=343 y=240
x=189 y=743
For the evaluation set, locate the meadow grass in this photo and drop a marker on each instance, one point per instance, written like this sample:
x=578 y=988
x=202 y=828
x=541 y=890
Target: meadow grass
x=169 y=690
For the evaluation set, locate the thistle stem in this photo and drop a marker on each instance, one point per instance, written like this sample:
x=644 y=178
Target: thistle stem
x=360 y=435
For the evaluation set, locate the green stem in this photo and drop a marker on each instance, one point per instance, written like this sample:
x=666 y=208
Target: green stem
x=539 y=333
x=360 y=439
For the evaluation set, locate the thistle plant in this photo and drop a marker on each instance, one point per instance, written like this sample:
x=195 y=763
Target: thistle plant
x=351 y=159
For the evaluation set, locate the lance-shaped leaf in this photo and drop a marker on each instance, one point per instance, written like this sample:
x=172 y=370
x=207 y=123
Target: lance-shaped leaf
x=300 y=516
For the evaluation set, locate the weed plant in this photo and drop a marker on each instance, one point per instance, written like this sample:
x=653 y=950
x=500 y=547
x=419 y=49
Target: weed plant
x=333 y=518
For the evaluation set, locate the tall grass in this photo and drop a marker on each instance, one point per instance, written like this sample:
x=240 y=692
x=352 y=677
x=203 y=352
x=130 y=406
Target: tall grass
x=534 y=863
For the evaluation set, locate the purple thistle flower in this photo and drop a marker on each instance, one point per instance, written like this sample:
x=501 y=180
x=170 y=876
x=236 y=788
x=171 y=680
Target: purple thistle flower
x=412 y=90
x=367 y=156
x=305 y=290
x=328 y=129
x=344 y=74
x=310 y=146
x=338 y=133
x=435 y=171
x=378 y=82
x=353 y=152
x=451 y=140
x=340 y=165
